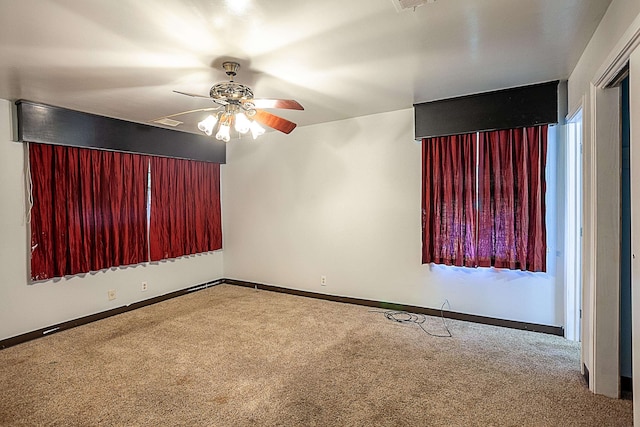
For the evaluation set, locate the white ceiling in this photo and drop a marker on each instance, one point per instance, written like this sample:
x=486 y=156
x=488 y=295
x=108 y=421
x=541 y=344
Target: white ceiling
x=338 y=58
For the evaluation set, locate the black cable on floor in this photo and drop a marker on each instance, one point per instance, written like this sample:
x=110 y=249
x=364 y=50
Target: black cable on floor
x=418 y=319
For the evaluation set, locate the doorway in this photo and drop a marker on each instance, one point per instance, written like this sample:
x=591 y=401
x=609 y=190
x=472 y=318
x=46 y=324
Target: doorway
x=625 y=354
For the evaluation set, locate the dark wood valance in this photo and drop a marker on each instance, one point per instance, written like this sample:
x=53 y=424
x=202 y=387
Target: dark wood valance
x=503 y=109
x=55 y=125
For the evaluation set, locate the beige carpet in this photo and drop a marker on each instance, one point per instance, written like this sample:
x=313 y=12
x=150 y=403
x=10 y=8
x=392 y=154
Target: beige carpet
x=233 y=356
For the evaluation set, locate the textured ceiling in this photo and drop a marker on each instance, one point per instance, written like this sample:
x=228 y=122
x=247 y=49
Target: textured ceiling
x=338 y=58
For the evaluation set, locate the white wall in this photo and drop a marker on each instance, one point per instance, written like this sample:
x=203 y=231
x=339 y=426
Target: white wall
x=601 y=190
x=25 y=307
x=342 y=199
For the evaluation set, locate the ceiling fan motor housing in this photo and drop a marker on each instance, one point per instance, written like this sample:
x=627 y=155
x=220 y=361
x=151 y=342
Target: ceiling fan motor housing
x=230 y=92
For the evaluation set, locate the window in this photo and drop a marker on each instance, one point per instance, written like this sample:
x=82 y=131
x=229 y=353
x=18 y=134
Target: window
x=90 y=209
x=185 y=208
x=448 y=198
x=483 y=199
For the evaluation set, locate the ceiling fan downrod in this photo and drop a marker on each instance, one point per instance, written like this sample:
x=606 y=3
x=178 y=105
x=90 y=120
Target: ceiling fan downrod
x=231 y=68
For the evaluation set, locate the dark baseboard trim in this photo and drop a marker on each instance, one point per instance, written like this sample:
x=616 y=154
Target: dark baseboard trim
x=19 y=339
x=585 y=374
x=626 y=387
x=534 y=327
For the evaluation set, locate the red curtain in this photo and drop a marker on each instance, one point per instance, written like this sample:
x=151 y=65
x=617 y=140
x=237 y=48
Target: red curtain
x=89 y=210
x=185 y=208
x=448 y=195
x=511 y=205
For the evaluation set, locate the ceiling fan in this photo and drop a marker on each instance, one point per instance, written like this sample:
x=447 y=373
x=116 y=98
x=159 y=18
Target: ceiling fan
x=236 y=107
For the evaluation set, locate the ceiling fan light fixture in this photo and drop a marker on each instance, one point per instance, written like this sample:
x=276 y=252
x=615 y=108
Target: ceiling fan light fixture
x=224 y=128
x=232 y=118
x=208 y=124
x=223 y=133
x=242 y=123
x=238 y=7
x=256 y=129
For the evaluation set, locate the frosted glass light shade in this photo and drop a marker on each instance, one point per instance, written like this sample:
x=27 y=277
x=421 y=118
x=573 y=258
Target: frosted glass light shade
x=242 y=123
x=256 y=129
x=208 y=124
x=223 y=132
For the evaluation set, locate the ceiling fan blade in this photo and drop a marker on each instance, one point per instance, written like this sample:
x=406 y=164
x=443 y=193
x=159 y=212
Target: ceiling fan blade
x=195 y=95
x=274 y=122
x=185 y=112
x=288 y=104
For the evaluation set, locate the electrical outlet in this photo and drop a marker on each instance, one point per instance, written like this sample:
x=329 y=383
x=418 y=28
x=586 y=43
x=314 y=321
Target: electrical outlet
x=111 y=294
x=323 y=280
x=144 y=287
